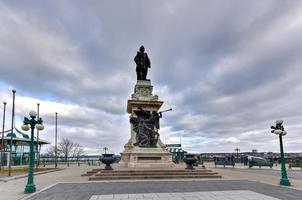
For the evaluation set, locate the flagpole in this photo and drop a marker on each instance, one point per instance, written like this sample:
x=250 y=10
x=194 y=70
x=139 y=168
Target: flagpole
x=37 y=142
x=56 y=138
x=3 y=124
x=11 y=134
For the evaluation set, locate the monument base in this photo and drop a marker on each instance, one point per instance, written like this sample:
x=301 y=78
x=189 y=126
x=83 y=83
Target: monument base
x=134 y=156
x=146 y=158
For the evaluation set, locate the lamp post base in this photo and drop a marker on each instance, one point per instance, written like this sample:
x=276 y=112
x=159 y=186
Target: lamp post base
x=284 y=182
x=30 y=188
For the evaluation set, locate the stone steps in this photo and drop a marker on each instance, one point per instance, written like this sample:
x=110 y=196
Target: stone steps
x=90 y=173
x=150 y=174
x=153 y=170
x=192 y=176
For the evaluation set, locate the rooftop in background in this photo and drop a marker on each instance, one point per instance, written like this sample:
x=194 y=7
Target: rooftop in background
x=20 y=136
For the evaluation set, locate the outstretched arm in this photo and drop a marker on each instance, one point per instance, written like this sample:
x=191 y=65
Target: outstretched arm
x=160 y=115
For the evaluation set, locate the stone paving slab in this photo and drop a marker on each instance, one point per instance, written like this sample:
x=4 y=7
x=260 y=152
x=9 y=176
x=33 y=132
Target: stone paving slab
x=134 y=189
x=215 y=195
x=295 y=174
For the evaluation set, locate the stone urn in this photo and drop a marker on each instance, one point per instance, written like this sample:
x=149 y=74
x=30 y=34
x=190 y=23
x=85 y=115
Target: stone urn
x=190 y=159
x=108 y=159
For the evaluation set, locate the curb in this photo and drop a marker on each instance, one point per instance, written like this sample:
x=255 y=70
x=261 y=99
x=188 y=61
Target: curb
x=46 y=188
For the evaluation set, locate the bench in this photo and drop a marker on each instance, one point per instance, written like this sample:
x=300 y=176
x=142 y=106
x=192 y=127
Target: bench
x=224 y=161
x=260 y=163
x=296 y=163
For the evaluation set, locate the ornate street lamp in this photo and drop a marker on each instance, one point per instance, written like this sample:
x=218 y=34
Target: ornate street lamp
x=237 y=151
x=105 y=149
x=279 y=130
x=31 y=124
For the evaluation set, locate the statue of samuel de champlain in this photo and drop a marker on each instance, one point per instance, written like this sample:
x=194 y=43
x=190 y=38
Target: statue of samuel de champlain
x=144 y=149
x=142 y=64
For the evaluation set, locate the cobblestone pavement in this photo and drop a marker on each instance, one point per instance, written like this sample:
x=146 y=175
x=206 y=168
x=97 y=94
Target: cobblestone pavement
x=227 y=195
x=86 y=190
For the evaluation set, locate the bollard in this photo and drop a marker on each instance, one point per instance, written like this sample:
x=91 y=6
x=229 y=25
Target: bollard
x=78 y=164
x=67 y=164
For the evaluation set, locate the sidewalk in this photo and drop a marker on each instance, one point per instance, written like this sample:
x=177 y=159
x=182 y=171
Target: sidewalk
x=264 y=174
x=6 y=178
x=13 y=189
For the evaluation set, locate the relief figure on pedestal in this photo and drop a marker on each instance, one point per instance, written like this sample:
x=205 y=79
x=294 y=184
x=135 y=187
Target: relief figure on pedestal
x=146 y=125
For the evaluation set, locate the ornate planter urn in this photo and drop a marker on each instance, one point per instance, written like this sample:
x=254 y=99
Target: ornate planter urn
x=108 y=159
x=190 y=159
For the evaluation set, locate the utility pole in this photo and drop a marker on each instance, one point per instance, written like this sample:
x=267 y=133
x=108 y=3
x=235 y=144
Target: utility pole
x=11 y=135
x=56 y=138
x=3 y=125
x=37 y=142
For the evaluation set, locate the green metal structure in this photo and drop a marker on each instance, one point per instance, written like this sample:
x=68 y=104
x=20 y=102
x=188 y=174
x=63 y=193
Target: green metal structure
x=20 y=148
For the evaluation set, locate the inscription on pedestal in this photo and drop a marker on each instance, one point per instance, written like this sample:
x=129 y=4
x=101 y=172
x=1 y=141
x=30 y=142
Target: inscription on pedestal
x=148 y=158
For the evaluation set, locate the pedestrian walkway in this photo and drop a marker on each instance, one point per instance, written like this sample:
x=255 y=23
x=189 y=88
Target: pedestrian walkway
x=221 y=195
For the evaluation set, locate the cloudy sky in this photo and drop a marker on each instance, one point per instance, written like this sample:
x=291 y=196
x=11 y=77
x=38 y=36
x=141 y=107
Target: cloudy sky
x=228 y=69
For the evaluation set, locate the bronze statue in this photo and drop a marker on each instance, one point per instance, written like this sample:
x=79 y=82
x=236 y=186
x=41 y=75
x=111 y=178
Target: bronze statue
x=142 y=64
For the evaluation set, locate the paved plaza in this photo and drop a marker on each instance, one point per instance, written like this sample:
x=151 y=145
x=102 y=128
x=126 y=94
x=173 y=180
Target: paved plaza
x=156 y=189
x=69 y=184
x=292 y=174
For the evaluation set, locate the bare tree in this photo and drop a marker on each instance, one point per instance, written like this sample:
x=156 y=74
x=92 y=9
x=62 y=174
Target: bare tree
x=77 y=151
x=65 y=148
x=68 y=148
x=51 y=151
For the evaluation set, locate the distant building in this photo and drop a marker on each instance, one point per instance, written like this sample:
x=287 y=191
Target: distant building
x=254 y=151
x=177 y=152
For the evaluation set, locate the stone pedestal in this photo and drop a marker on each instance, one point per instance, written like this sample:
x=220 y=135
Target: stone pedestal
x=144 y=157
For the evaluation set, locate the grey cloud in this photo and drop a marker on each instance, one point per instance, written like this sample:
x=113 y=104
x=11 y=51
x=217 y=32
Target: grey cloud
x=226 y=68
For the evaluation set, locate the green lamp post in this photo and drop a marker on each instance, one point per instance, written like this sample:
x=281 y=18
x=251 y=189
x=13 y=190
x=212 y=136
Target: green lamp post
x=279 y=130
x=31 y=123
